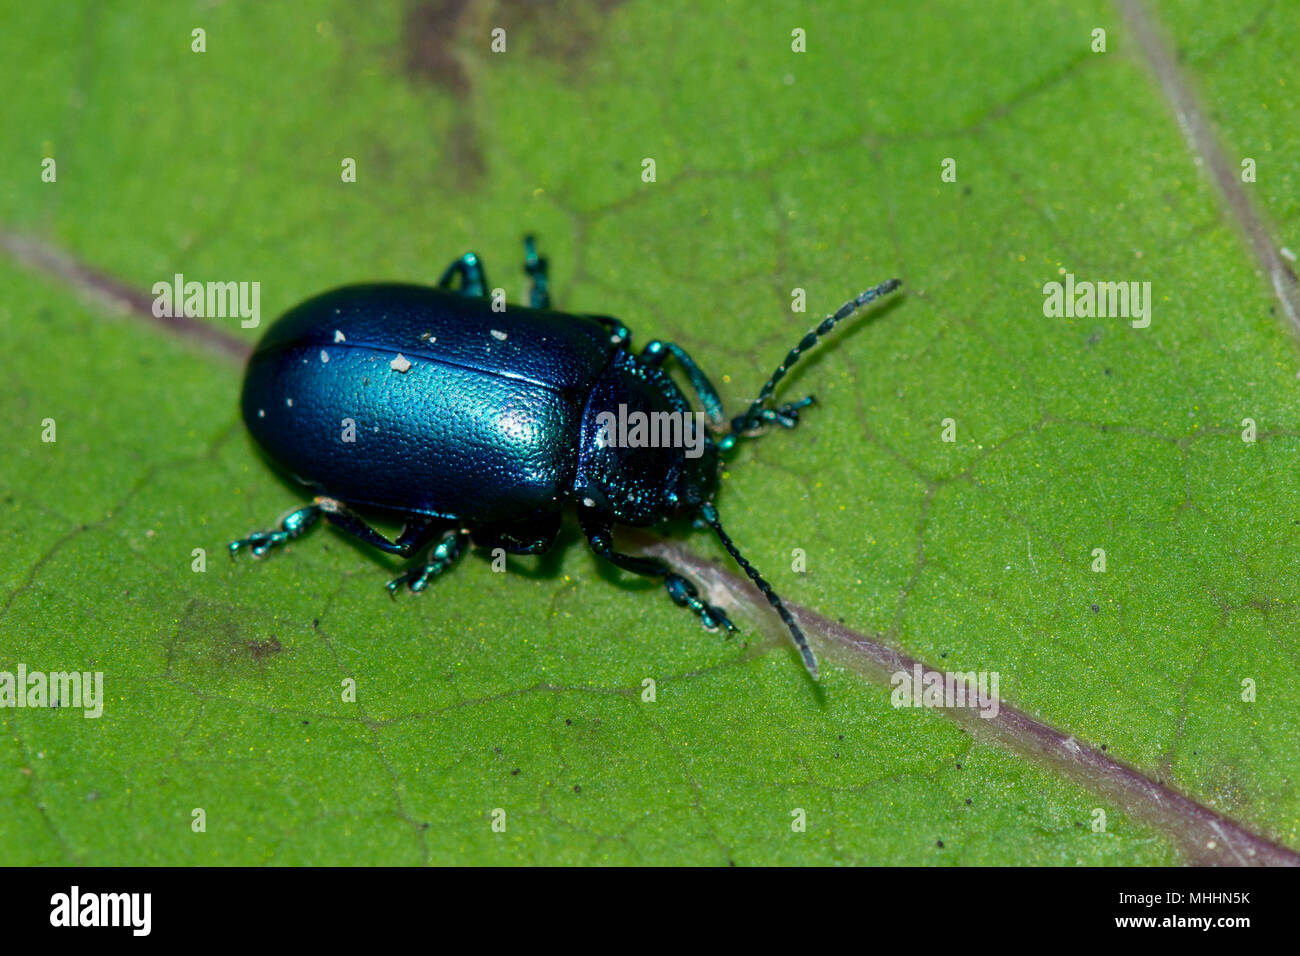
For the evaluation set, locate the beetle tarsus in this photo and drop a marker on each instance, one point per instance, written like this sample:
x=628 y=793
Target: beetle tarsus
x=441 y=557
x=295 y=524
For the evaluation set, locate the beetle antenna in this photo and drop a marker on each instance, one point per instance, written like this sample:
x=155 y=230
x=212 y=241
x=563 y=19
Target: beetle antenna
x=710 y=515
x=749 y=420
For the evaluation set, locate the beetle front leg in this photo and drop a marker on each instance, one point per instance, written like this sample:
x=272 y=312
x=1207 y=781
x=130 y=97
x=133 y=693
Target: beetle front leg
x=539 y=288
x=684 y=594
x=293 y=525
x=441 y=557
x=473 y=280
x=654 y=354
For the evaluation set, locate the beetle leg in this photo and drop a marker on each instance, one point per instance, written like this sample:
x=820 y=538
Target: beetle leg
x=539 y=290
x=414 y=536
x=473 y=280
x=532 y=535
x=601 y=539
x=294 y=524
x=787 y=416
x=618 y=332
x=441 y=556
x=654 y=354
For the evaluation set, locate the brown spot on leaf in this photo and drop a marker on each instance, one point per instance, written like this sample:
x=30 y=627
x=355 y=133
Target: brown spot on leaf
x=464 y=152
x=563 y=32
x=430 y=47
x=441 y=36
x=260 y=650
x=211 y=635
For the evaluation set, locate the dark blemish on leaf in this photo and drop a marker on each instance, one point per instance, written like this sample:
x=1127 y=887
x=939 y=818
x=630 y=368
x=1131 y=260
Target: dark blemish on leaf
x=464 y=153
x=958 y=766
x=430 y=30
x=1106 y=371
x=260 y=650
x=496 y=750
x=568 y=723
x=515 y=772
x=563 y=32
x=968 y=801
x=214 y=635
x=1095 y=609
x=438 y=45
x=939 y=844
x=577 y=788
x=966 y=191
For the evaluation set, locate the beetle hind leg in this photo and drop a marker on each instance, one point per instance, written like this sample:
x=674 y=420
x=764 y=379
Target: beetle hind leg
x=293 y=525
x=441 y=557
x=682 y=591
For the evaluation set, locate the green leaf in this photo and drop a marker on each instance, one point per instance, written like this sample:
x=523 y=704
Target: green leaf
x=775 y=170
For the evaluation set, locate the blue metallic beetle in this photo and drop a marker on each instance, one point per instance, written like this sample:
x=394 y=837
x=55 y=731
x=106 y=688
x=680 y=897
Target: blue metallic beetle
x=468 y=422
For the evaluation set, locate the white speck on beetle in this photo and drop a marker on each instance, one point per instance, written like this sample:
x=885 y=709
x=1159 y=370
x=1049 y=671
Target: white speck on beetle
x=588 y=502
x=261 y=413
x=400 y=364
x=324 y=356
x=338 y=336
x=499 y=336
x=289 y=402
